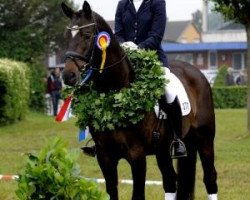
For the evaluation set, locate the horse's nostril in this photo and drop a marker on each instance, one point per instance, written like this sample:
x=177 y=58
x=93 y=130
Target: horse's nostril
x=69 y=78
x=72 y=75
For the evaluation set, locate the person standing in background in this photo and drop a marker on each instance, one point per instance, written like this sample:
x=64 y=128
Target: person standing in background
x=242 y=78
x=54 y=86
x=229 y=78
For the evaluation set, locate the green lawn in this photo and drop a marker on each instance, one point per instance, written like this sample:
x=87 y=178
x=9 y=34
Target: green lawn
x=232 y=155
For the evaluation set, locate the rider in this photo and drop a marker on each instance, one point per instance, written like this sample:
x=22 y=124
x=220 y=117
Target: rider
x=141 y=24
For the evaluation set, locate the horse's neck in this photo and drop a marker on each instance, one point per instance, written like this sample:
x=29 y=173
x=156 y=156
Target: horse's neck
x=115 y=76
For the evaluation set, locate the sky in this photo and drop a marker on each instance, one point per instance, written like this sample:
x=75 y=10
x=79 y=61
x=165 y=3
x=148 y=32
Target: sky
x=177 y=10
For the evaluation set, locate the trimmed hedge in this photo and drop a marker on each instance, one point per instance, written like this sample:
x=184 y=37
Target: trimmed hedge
x=230 y=97
x=15 y=91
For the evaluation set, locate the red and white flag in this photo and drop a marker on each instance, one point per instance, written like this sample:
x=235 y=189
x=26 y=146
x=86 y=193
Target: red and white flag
x=64 y=112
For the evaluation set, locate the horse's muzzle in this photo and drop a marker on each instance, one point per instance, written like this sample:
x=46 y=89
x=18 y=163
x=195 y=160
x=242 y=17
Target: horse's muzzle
x=70 y=78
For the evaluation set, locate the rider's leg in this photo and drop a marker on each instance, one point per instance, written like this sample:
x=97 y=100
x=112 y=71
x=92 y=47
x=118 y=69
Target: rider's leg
x=177 y=148
x=89 y=150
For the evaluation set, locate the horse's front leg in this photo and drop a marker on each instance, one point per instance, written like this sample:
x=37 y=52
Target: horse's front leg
x=169 y=177
x=137 y=161
x=108 y=166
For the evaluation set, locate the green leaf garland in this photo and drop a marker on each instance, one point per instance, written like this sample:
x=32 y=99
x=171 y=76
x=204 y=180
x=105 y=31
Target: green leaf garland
x=105 y=111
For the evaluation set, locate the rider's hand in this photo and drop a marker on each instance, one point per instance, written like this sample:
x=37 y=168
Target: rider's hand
x=129 y=45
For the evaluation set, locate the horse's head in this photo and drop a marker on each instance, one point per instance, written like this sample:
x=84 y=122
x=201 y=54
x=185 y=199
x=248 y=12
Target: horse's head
x=92 y=47
x=81 y=42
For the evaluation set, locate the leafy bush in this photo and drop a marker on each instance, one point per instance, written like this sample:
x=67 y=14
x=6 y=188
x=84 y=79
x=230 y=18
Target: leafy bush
x=54 y=174
x=15 y=90
x=230 y=97
x=37 y=87
x=220 y=78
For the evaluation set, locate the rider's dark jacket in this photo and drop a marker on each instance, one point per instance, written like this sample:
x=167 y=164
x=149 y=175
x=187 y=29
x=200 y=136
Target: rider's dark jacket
x=145 y=27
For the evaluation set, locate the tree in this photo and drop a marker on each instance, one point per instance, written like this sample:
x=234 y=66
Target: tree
x=30 y=30
x=215 y=21
x=29 y=27
x=197 y=19
x=238 y=10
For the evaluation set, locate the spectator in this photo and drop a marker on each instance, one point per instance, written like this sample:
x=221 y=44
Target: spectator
x=229 y=78
x=54 y=86
x=242 y=78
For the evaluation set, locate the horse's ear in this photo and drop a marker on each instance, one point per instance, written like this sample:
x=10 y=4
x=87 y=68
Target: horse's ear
x=67 y=10
x=87 y=10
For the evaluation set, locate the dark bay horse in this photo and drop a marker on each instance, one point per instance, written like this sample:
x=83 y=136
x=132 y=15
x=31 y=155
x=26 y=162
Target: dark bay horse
x=134 y=143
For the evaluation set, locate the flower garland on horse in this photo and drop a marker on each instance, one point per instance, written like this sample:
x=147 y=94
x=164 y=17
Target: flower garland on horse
x=105 y=111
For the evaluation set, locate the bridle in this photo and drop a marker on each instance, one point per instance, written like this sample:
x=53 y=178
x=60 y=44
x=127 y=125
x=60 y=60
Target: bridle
x=88 y=59
x=72 y=55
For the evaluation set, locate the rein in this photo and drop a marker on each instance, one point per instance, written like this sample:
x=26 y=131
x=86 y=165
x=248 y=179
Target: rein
x=91 y=69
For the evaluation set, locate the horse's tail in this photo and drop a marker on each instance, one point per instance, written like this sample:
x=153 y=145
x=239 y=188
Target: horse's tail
x=186 y=174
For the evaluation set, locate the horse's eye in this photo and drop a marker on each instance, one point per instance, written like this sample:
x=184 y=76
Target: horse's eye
x=86 y=36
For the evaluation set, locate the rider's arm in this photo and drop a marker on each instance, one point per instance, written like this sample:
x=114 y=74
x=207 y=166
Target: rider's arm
x=157 y=30
x=119 y=29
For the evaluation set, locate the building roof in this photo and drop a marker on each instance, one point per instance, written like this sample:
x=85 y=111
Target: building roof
x=213 y=46
x=232 y=26
x=174 y=29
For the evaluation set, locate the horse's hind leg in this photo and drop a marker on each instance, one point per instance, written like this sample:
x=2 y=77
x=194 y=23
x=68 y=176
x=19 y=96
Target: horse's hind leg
x=168 y=173
x=186 y=172
x=206 y=152
x=109 y=170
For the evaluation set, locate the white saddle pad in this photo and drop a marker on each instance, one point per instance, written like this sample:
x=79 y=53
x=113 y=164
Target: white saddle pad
x=175 y=88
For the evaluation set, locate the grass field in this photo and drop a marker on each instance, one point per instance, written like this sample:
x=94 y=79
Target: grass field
x=232 y=155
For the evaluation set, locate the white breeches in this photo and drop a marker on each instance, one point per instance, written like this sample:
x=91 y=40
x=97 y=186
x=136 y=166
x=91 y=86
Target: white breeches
x=174 y=88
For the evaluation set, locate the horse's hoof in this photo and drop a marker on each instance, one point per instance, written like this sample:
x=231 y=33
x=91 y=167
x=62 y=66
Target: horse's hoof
x=90 y=151
x=177 y=149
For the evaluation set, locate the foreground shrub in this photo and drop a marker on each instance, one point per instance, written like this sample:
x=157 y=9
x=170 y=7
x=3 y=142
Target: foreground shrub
x=15 y=90
x=54 y=174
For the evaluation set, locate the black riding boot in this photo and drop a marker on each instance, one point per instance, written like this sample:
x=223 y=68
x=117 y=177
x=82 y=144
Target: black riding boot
x=89 y=150
x=177 y=147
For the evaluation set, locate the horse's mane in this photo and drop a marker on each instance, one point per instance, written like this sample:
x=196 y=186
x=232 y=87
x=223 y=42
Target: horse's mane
x=103 y=25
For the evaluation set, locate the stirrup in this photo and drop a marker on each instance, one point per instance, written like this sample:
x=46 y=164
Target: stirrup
x=177 y=149
x=89 y=150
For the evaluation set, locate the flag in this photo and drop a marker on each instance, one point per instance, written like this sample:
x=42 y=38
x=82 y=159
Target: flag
x=64 y=112
x=83 y=134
